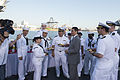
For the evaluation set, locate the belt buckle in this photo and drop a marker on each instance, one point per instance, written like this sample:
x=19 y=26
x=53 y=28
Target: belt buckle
x=60 y=51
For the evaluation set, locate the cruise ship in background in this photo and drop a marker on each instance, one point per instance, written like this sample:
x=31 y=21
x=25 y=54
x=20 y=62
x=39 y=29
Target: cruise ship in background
x=51 y=26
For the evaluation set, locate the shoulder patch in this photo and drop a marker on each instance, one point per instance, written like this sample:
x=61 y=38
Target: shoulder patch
x=113 y=33
x=35 y=47
x=103 y=37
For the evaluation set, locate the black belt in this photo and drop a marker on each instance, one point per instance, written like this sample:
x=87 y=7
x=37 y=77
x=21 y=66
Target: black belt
x=60 y=51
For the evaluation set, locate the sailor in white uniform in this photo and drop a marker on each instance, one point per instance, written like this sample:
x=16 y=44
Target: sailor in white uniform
x=43 y=27
x=60 y=43
x=104 y=54
x=116 y=38
x=80 y=65
x=90 y=43
x=3 y=58
x=38 y=57
x=4 y=48
x=22 y=52
x=45 y=44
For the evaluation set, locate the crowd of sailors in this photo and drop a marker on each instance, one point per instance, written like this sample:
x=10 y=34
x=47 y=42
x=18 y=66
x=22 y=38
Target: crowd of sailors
x=97 y=57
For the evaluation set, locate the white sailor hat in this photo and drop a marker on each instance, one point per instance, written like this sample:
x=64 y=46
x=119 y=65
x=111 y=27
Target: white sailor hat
x=101 y=25
x=25 y=28
x=79 y=32
x=61 y=28
x=45 y=31
x=90 y=33
x=64 y=27
x=43 y=23
x=110 y=23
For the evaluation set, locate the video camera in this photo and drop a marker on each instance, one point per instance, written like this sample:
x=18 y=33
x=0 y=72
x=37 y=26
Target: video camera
x=6 y=26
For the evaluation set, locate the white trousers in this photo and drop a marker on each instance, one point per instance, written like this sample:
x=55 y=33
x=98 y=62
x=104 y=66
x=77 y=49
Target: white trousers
x=88 y=62
x=114 y=75
x=37 y=69
x=102 y=70
x=101 y=74
x=93 y=65
x=45 y=66
x=61 y=57
x=80 y=65
x=22 y=68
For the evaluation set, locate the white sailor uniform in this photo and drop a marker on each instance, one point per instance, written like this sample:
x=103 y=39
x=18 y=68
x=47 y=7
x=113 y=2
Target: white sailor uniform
x=116 y=38
x=60 y=55
x=45 y=43
x=38 y=56
x=80 y=65
x=22 y=52
x=4 y=51
x=88 y=62
x=3 y=57
x=94 y=58
x=104 y=65
x=39 y=32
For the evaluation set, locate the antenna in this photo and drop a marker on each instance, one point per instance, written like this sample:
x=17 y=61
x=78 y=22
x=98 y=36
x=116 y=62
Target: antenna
x=51 y=23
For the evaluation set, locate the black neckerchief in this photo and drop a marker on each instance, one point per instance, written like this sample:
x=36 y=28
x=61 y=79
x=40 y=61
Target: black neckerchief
x=98 y=39
x=46 y=42
x=103 y=37
x=26 y=40
x=90 y=42
x=42 y=48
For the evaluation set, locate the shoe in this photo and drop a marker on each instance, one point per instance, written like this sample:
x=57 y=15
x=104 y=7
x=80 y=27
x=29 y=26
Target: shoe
x=44 y=76
x=26 y=74
x=68 y=76
x=86 y=74
x=79 y=74
x=58 y=75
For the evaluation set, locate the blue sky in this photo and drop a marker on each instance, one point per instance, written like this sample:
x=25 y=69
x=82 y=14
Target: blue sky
x=82 y=13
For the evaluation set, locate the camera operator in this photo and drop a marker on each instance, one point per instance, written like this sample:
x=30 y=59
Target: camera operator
x=5 y=30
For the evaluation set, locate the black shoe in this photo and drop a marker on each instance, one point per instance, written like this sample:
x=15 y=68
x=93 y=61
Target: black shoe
x=86 y=74
x=44 y=76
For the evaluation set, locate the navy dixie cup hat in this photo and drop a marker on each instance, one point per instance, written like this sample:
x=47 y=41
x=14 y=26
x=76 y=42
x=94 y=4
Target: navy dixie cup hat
x=37 y=37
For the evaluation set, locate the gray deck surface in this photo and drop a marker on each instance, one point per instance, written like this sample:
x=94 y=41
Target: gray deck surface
x=51 y=76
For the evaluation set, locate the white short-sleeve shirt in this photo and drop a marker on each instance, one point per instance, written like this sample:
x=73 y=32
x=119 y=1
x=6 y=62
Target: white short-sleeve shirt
x=106 y=47
x=60 y=40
